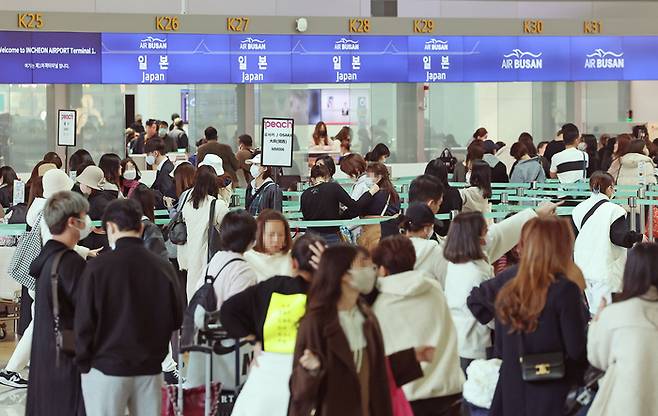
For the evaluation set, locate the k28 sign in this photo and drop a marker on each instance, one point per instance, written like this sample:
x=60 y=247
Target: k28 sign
x=276 y=140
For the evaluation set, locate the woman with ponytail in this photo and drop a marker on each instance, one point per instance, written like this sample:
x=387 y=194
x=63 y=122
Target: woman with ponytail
x=540 y=312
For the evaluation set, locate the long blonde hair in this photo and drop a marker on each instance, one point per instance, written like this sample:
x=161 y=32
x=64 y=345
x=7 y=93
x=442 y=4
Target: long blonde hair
x=546 y=252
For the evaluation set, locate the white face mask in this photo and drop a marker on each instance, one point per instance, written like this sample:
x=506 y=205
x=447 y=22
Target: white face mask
x=130 y=175
x=84 y=232
x=254 y=170
x=110 y=238
x=582 y=146
x=468 y=177
x=162 y=132
x=363 y=279
x=150 y=160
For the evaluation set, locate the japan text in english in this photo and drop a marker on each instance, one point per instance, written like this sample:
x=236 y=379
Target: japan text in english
x=149 y=78
x=251 y=77
x=435 y=76
x=346 y=77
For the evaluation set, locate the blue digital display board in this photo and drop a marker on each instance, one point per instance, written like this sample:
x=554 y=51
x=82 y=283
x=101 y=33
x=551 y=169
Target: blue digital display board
x=50 y=58
x=435 y=58
x=198 y=59
x=61 y=58
x=260 y=59
x=157 y=58
x=597 y=58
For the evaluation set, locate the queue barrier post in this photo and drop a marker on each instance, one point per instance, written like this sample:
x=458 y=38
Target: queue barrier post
x=641 y=195
x=632 y=203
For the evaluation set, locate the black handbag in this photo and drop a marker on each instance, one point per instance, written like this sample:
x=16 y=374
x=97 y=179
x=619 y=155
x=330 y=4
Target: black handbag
x=176 y=230
x=213 y=234
x=541 y=367
x=448 y=159
x=64 y=338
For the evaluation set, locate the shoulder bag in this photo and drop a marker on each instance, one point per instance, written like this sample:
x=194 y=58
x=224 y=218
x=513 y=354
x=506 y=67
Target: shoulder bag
x=64 y=338
x=448 y=159
x=176 y=230
x=27 y=250
x=213 y=234
x=540 y=367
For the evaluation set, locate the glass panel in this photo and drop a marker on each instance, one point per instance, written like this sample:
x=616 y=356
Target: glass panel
x=605 y=107
x=450 y=117
x=217 y=106
x=23 y=128
x=100 y=113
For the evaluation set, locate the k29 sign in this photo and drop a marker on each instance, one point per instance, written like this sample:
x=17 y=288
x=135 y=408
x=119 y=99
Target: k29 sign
x=277 y=137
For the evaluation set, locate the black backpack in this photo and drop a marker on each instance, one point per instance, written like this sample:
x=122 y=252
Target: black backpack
x=203 y=301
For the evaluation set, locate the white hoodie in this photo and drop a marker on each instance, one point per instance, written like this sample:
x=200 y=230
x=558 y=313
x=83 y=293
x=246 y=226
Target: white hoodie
x=412 y=312
x=269 y=265
x=429 y=259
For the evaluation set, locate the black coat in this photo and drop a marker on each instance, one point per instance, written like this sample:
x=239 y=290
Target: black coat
x=452 y=201
x=562 y=328
x=164 y=184
x=54 y=390
x=269 y=196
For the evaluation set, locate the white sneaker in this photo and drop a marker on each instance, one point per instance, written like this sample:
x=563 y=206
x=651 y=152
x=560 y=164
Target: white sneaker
x=12 y=379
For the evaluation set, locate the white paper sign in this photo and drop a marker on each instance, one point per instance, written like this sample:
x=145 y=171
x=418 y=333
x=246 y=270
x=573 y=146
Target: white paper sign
x=19 y=192
x=66 y=127
x=276 y=143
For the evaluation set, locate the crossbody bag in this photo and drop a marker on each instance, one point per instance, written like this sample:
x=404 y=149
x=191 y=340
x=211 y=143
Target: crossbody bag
x=64 y=338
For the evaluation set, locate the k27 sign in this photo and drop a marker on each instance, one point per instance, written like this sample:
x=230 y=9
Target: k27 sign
x=276 y=141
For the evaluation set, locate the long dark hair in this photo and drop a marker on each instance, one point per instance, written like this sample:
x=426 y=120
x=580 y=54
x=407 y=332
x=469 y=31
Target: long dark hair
x=8 y=176
x=377 y=152
x=640 y=271
x=79 y=160
x=205 y=184
x=146 y=199
x=463 y=241
x=110 y=164
x=438 y=169
x=526 y=139
x=125 y=162
x=385 y=183
x=184 y=177
x=481 y=177
x=325 y=290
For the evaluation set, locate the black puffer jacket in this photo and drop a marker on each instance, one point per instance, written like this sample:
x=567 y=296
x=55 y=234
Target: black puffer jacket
x=153 y=240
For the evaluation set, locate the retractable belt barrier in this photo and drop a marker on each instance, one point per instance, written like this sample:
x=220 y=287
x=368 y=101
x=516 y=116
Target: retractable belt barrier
x=507 y=198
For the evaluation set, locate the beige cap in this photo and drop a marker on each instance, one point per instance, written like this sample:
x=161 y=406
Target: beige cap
x=93 y=177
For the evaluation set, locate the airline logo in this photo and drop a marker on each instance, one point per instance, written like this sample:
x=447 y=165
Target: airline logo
x=601 y=59
x=517 y=59
x=346 y=45
x=251 y=44
x=436 y=45
x=153 y=43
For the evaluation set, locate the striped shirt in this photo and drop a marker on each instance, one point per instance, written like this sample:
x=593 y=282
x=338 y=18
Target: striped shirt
x=570 y=165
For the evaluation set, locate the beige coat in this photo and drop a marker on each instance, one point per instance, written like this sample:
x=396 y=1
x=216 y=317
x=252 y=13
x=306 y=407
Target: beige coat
x=623 y=344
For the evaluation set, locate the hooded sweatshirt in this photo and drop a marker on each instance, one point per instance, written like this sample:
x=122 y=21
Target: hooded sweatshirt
x=416 y=296
x=268 y=265
x=429 y=259
x=498 y=169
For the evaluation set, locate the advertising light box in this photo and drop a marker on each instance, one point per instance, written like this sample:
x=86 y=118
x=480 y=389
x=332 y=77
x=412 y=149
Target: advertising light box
x=130 y=58
x=597 y=58
x=325 y=59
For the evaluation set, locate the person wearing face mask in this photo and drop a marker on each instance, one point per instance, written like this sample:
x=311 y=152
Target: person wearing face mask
x=355 y=167
x=322 y=201
x=110 y=164
x=402 y=291
x=469 y=252
x=158 y=160
x=245 y=152
x=54 y=181
x=163 y=133
x=601 y=228
x=417 y=224
x=145 y=136
x=385 y=203
x=54 y=385
x=130 y=176
x=339 y=362
x=129 y=304
x=271 y=254
x=262 y=192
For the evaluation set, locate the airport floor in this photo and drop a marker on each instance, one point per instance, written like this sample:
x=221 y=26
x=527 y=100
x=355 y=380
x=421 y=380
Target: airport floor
x=12 y=401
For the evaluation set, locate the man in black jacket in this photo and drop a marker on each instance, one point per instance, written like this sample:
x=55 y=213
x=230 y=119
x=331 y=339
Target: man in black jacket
x=129 y=304
x=164 y=183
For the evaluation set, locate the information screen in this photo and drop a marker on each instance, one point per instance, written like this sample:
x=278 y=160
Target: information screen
x=157 y=58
